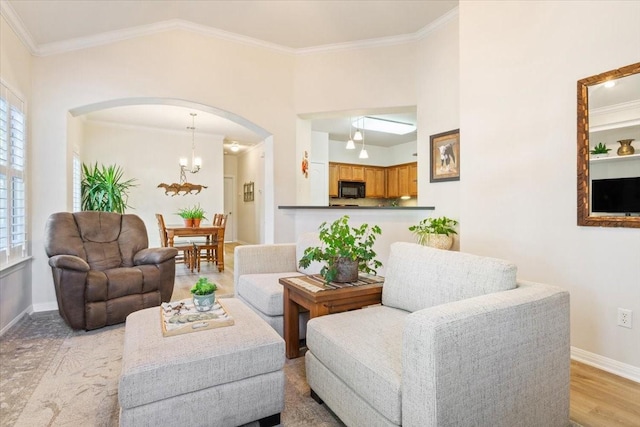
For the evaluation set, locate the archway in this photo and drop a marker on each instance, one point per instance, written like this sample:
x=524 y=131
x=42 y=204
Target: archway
x=267 y=202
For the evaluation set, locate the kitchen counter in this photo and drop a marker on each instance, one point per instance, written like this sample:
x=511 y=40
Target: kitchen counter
x=375 y=208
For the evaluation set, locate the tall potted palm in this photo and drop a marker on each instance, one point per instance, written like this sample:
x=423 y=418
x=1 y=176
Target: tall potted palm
x=103 y=188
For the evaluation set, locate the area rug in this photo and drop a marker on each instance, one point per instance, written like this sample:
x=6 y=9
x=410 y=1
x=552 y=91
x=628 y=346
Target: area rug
x=51 y=375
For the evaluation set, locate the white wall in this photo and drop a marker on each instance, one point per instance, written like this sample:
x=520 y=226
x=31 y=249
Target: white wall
x=251 y=169
x=151 y=157
x=438 y=111
x=519 y=64
x=378 y=156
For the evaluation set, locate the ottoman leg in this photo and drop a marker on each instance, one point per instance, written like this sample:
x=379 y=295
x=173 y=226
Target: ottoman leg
x=270 y=421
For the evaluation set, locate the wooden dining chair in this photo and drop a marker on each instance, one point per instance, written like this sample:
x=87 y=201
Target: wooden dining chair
x=186 y=247
x=210 y=249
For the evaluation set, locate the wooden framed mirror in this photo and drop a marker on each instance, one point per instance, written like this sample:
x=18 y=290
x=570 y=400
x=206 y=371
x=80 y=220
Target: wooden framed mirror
x=604 y=116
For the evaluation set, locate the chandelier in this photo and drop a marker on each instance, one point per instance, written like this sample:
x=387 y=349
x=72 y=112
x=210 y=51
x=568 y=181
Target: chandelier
x=196 y=162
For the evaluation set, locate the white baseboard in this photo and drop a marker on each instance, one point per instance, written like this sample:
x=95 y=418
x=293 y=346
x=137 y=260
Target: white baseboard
x=15 y=320
x=624 y=370
x=45 y=306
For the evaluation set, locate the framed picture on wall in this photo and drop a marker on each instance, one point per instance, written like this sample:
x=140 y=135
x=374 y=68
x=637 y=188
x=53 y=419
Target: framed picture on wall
x=445 y=156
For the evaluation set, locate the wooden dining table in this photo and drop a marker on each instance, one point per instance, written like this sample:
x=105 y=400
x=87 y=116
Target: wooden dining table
x=207 y=231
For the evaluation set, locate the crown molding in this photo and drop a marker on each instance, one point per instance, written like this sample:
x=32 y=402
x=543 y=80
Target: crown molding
x=17 y=26
x=101 y=39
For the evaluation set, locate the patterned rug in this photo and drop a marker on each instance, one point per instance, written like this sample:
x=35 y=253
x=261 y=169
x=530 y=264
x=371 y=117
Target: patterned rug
x=51 y=375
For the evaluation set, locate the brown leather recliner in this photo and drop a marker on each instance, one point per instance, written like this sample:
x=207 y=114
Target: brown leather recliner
x=103 y=268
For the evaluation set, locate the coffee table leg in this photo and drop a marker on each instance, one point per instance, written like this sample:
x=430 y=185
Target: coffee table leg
x=291 y=331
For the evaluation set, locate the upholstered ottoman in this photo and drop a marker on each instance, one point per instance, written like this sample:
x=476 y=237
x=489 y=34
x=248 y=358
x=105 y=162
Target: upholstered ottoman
x=227 y=376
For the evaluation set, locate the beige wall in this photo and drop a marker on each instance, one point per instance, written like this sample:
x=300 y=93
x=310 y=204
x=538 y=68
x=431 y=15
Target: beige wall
x=151 y=157
x=518 y=190
x=253 y=83
x=15 y=72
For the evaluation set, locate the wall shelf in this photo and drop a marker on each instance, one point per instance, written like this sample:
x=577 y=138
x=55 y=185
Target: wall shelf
x=615 y=158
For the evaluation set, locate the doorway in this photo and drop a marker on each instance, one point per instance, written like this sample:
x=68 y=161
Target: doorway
x=230 y=207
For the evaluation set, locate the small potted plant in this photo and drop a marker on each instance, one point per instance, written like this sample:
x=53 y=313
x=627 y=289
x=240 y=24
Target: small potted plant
x=435 y=232
x=192 y=215
x=345 y=250
x=600 y=150
x=204 y=294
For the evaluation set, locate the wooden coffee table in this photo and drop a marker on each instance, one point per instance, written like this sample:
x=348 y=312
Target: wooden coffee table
x=310 y=292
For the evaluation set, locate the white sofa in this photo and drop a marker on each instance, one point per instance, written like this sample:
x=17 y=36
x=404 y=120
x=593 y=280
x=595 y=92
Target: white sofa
x=257 y=269
x=456 y=342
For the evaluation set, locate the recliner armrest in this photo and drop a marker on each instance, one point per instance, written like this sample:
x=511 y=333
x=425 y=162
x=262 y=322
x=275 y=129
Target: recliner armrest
x=502 y=358
x=154 y=256
x=70 y=262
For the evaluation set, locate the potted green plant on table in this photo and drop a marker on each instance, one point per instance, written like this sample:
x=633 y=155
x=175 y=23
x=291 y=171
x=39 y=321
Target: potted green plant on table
x=103 y=189
x=192 y=215
x=599 y=150
x=435 y=232
x=204 y=294
x=345 y=250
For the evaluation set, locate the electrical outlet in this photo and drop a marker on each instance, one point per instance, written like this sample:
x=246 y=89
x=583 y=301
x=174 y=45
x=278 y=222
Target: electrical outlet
x=625 y=318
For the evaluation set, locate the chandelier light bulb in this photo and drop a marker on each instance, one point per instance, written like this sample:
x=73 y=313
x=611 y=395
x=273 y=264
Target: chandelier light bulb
x=351 y=145
x=357 y=136
x=363 y=154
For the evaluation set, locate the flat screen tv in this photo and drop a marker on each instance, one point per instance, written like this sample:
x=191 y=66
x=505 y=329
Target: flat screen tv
x=616 y=195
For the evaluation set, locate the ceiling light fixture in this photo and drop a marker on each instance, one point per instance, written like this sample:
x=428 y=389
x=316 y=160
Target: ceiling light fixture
x=363 y=151
x=196 y=162
x=386 y=126
x=350 y=144
x=235 y=147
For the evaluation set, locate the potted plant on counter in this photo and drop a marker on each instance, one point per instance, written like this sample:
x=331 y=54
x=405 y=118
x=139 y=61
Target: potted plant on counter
x=204 y=294
x=345 y=250
x=435 y=232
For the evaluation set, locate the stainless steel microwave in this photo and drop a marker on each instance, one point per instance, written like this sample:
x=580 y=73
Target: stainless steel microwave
x=351 y=189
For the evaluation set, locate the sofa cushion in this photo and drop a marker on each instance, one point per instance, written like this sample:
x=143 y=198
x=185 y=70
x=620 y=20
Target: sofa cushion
x=364 y=352
x=307 y=240
x=264 y=291
x=418 y=276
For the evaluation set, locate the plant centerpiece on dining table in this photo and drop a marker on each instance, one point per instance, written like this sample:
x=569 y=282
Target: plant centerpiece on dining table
x=204 y=294
x=435 y=232
x=345 y=250
x=192 y=215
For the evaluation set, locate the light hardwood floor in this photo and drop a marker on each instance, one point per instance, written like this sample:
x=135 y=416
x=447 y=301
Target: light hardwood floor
x=601 y=399
x=598 y=398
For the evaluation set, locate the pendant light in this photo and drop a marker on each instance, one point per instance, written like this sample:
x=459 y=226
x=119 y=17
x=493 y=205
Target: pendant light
x=350 y=144
x=363 y=151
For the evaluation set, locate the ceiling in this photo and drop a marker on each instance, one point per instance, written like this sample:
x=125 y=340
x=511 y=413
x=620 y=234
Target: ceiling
x=294 y=26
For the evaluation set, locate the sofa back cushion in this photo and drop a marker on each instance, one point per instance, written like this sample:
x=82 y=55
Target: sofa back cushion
x=307 y=240
x=418 y=276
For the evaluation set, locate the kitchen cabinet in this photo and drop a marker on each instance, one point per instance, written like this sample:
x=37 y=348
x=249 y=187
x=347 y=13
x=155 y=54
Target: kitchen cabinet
x=413 y=179
x=392 y=182
x=333 y=180
x=374 y=177
x=350 y=172
x=381 y=182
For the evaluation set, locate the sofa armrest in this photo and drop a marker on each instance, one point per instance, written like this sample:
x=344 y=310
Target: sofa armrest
x=154 y=255
x=70 y=262
x=500 y=359
x=257 y=259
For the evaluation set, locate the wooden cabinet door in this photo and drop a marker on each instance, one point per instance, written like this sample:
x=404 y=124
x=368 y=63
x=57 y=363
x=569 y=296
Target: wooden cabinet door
x=346 y=173
x=333 y=180
x=381 y=183
x=357 y=173
x=370 y=182
x=413 y=179
x=392 y=182
x=403 y=180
